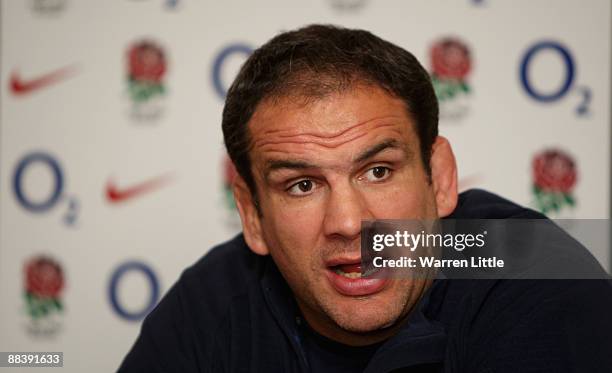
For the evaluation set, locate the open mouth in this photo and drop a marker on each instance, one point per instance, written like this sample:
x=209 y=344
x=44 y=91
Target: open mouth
x=354 y=270
x=353 y=278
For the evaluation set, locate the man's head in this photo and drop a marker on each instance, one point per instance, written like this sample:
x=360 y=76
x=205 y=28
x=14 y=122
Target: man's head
x=326 y=127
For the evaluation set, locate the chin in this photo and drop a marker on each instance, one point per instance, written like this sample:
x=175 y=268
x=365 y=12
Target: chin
x=365 y=318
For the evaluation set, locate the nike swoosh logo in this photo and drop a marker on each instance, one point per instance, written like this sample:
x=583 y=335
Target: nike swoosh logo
x=20 y=86
x=117 y=195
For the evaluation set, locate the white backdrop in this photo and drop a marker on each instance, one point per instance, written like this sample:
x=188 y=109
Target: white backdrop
x=76 y=147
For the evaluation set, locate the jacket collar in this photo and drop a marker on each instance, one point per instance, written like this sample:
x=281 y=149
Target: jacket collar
x=420 y=341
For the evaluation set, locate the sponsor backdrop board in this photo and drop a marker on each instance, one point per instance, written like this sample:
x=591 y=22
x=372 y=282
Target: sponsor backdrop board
x=112 y=167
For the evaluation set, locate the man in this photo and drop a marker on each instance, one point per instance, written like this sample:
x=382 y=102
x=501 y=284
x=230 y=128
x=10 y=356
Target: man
x=328 y=127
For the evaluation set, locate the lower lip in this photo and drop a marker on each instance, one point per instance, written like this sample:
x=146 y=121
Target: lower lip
x=355 y=286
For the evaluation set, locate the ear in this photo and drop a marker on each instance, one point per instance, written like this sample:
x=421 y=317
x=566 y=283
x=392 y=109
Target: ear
x=251 y=224
x=444 y=176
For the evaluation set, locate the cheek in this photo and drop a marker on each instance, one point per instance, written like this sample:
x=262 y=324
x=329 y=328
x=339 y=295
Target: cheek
x=394 y=205
x=400 y=200
x=303 y=215
x=293 y=229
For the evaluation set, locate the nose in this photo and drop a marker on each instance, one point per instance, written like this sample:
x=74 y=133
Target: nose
x=345 y=209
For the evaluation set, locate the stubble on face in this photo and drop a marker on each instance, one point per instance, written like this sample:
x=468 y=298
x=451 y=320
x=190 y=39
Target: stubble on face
x=320 y=143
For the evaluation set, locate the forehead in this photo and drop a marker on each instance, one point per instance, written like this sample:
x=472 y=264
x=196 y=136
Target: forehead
x=330 y=121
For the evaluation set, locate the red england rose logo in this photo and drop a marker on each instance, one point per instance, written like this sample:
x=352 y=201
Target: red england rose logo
x=44 y=278
x=146 y=68
x=147 y=62
x=554 y=171
x=450 y=59
x=554 y=177
x=450 y=65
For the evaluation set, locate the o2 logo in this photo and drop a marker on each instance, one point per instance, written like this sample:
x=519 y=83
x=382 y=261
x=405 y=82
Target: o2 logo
x=220 y=62
x=114 y=285
x=54 y=196
x=567 y=85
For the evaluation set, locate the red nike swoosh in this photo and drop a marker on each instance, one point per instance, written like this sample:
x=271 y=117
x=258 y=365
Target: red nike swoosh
x=21 y=87
x=116 y=195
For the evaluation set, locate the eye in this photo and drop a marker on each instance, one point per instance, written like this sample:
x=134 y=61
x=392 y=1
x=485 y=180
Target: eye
x=378 y=173
x=301 y=188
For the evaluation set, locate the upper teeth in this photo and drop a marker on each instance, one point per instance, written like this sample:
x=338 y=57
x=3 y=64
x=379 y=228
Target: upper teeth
x=355 y=274
x=349 y=275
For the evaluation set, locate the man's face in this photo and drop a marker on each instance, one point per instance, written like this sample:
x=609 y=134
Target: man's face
x=320 y=169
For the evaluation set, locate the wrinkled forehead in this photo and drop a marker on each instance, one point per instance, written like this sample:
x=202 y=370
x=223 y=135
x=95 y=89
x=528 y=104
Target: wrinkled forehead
x=332 y=130
x=332 y=115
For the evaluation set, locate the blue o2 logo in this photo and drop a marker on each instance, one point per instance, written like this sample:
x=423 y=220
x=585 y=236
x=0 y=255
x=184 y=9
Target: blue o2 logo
x=58 y=182
x=55 y=194
x=569 y=74
x=220 y=61
x=154 y=290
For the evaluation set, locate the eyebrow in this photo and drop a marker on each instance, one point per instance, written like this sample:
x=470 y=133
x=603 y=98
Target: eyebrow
x=273 y=165
x=289 y=164
x=371 y=152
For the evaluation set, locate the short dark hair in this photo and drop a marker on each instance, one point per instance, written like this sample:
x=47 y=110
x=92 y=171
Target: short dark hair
x=314 y=61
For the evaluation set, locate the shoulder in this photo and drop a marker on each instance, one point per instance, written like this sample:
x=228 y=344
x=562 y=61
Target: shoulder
x=191 y=320
x=563 y=324
x=481 y=204
x=513 y=325
x=226 y=271
x=205 y=291
x=521 y=299
x=509 y=325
